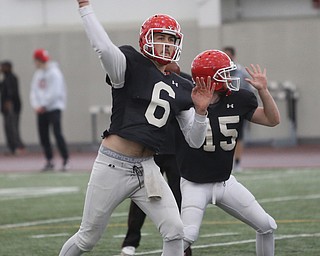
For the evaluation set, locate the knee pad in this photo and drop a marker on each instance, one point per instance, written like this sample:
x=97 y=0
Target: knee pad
x=172 y=229
x=87 y=240
x=269 y=227
x=191 y=233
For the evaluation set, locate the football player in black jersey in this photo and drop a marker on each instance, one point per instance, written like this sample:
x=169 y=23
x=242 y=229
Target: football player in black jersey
x=144 y=101
x=166 y=160
x=206 y=172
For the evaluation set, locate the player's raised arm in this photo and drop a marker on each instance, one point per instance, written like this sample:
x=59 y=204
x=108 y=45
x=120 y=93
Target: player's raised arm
x=268 y=114
x=113 y=60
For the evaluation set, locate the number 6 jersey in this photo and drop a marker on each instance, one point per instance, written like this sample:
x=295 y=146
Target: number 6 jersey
x=149 y=99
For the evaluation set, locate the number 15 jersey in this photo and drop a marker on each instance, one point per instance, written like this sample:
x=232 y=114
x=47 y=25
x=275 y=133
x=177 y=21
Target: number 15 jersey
x=214 y=160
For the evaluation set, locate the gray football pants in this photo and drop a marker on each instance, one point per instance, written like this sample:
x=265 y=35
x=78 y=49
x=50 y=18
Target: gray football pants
x=111 y=182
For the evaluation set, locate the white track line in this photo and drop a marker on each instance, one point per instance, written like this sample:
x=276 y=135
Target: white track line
x=281 y=237
x=51 y=221
x=220 y=234
x=50 y=235
x=33 y=192
x=122 y=214
x=124 y=235
x=288 y=198
x=40 y=222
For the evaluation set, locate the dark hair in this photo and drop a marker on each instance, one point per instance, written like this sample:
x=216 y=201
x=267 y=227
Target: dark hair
x=6 y=66
x=230 y=49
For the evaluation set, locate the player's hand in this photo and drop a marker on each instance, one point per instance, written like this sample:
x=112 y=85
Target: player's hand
x=258 y=77
x=40 y=110
x=8 y=106
x=202 y=94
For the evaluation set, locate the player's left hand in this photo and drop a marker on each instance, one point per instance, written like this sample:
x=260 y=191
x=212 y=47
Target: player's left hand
x=258 y=77
x=202 y=94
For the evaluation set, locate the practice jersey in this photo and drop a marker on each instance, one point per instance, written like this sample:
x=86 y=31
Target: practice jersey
x=168 y=146
x=214 y=160
x=148 y=101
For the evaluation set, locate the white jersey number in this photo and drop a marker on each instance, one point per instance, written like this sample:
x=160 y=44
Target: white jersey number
x=230 y=133
x=157 y=102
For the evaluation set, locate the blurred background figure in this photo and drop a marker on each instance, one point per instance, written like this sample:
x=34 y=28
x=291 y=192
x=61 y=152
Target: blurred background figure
x=242 y=74
x=48 y=99
x=11 y=108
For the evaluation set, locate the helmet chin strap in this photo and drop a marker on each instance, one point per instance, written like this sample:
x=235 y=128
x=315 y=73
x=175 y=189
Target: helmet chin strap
x=154 y=58
x=161 y=61
x=226 y=92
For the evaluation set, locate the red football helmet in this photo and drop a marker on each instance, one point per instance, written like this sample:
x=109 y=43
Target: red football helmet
x=160 y=23
x=218 y=65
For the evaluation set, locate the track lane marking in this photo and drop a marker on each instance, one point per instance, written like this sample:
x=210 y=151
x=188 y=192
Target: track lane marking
x=280 y=237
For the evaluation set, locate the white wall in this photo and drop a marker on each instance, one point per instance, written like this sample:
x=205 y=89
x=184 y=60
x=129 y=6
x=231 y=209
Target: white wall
x=250 y=9
x=26 y=13
x=46 y=13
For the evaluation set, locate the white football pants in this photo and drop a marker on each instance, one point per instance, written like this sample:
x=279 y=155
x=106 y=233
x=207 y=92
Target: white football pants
x=233 y=198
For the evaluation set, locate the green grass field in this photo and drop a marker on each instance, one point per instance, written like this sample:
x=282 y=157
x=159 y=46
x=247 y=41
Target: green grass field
x=39 y=211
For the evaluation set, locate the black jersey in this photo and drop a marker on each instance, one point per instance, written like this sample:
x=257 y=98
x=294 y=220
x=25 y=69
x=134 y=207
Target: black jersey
x=168 y=146
x=148 y=101
x=213 y=161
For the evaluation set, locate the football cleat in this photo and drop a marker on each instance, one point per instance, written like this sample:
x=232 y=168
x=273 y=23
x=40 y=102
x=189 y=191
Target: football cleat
x=128 y=251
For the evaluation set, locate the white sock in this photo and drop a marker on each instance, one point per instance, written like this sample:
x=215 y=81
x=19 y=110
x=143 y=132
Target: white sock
x=265 y=244
x=173 y=247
